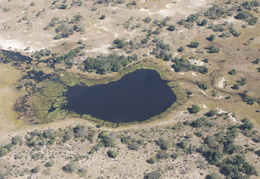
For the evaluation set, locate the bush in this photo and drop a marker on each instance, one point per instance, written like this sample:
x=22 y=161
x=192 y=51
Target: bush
x=193 y=45
x=247 y=124
x=152 y=160
x=212 y=49
x=69 y=168
x=211 y=37
x=194 y=109
x=171 y=28
x=163 y=144
x=112 y=154
x=162 y=155
x=198 y=122
x=35 y=170
x=153 y=175
x=232 y=72
x=211 y=113
x=49 y=164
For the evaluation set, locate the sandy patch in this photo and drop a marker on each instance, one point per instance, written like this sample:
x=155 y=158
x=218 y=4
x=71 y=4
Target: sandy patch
x=221 y=83
x=102 y=49
x=196 y=62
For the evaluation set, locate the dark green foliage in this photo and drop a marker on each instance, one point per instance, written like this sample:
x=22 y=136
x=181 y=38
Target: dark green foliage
x=214 y=176
x=211 y=37
x=106 y=140
x=112 y=154
x=163 y=144
x=49 y=133
x=234 y=166
x=3 y=151
x=103 y=64
x=49 y=164
x=203 y=86
x=67 y=136
x=171 y=28
x=67 y=56
x=212 y=49
x=213 y=156
x=234 y=32
x=62 y=6
x=198 y=122
x=242 y=82
x=243 y=15
x=256 y=61
x=215 y=12
x=211 y=113
x=147 y=20
x=133 y=146
x=79 y=131
x=232 y=72
x=17 y=140
x=41 y=53
x=35 y=170
x=102 y=17
x=192 y=18
x=132 y=3
x=228 y=97
x=247 y=124
x=153 y=175
x=181 y=49
x=253 y=21
x=69 y=168
x=162 y=155
x=203 y=22
x=235 y=87
x=152 y=160
x=194 y=109
x=193 y=45
x=182 y=64
x=249 y=100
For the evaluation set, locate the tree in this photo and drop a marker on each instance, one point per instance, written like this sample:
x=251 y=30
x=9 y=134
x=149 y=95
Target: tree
x=147 y=20
x=247 y=124
x=214 y=176
x=69 y=168
x=198 y=122
x=211 y=113
x=235 y=87
x=171 y=28
x=232 y=72
x=102 y=17
x=112 y=154
x=153 y=175
x=211 y=37
x=163 y=144
x=194 y=109
x=193 y=44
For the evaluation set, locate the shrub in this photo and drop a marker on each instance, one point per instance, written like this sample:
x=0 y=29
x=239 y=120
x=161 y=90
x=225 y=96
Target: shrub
x=194 y=109
x=193 y=45
x=247 y=124
x=232 y=72
x=163 y=144
x=69 y=168
x=171 y=28
x=152 y=160
x=153 y=175
x=112 y=154
x=49 y=164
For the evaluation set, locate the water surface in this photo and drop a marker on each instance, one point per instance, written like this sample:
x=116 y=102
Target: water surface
x=137 y=96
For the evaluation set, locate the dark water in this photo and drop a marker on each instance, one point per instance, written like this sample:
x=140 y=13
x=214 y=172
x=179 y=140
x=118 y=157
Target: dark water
x=138 y=96
x=16 y=56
